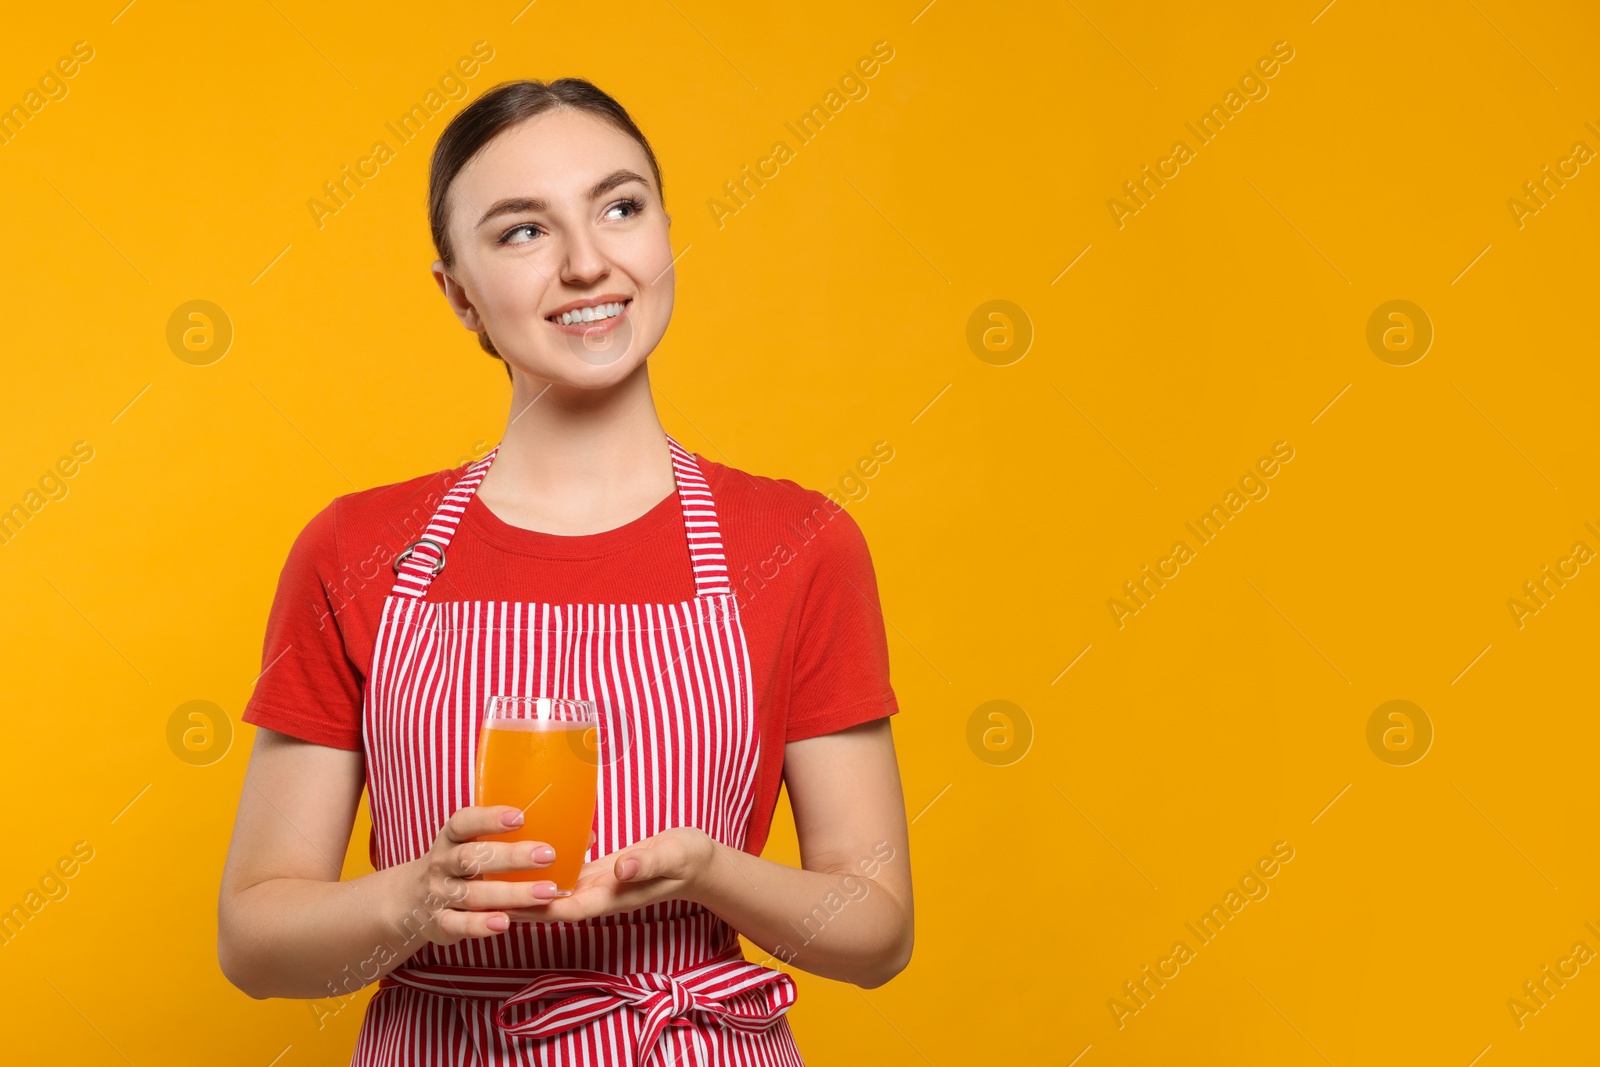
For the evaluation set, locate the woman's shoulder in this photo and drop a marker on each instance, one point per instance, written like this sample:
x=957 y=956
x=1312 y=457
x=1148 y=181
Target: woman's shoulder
x=391 y=501
x=796 y=556
x=737 y=489
x=762 y=511
x=380 y=518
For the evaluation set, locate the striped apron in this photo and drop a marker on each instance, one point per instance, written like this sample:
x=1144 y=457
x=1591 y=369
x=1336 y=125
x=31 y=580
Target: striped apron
x=666 y=984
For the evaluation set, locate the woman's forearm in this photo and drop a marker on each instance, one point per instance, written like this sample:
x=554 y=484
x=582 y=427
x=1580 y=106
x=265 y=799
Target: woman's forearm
x=309 y=939
x=841 y=925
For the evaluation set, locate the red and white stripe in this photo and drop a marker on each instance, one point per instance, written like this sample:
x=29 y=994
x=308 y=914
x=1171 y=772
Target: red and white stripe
x=665 y=984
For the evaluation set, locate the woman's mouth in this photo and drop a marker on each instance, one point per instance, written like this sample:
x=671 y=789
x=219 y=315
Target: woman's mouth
x=602 y=318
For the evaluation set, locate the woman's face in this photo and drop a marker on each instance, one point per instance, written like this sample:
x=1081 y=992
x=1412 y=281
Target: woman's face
x=556 y=211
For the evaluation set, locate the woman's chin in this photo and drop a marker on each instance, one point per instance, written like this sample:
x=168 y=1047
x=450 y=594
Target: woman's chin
x=591 y=370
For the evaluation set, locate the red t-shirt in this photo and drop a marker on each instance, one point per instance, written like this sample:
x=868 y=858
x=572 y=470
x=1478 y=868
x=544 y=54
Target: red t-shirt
x=797 y=561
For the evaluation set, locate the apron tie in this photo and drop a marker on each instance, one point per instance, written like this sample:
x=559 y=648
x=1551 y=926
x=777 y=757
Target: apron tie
x=729 y=990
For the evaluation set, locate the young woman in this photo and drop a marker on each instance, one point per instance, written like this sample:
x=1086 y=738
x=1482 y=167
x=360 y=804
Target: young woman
x=727 y=623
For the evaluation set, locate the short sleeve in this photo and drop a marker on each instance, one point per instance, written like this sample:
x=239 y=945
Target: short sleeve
x=841 y=668
x=308 y=687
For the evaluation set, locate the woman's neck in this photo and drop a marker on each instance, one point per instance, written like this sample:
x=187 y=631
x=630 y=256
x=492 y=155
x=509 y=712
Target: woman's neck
x=576 y=462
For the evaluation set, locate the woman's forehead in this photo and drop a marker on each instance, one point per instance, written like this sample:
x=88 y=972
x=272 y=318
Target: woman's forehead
x=555 y=157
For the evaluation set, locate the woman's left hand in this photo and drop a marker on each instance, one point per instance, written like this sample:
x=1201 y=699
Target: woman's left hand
x=665 y=866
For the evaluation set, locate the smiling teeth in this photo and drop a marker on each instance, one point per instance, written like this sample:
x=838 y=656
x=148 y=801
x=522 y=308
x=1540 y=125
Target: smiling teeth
x=598 y=313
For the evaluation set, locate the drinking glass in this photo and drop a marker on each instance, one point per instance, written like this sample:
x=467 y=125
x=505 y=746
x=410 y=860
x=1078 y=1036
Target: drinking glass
x=539 y=754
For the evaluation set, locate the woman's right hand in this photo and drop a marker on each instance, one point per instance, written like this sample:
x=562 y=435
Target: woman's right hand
x=456 y=901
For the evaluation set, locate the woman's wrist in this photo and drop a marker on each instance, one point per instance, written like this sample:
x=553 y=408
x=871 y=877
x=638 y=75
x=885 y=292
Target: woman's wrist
x=705 y=874
x=405 y=904
x=397 y=901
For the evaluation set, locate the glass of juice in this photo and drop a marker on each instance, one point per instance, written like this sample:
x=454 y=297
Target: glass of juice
x=540 y=754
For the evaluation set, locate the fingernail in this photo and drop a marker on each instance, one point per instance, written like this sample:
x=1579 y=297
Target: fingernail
x=498 y=922
x=512 y=818
x=544 y=854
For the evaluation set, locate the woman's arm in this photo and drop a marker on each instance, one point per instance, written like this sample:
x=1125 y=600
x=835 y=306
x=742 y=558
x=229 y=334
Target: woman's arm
x=846 y=913
x=286 y=925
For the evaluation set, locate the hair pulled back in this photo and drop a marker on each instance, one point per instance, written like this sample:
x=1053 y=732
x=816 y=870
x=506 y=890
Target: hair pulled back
x=497 y=110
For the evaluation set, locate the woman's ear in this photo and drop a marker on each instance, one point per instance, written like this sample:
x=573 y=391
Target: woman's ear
x=456 y=296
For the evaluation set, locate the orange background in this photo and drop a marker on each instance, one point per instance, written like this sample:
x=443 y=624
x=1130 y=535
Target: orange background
x=1061 y=849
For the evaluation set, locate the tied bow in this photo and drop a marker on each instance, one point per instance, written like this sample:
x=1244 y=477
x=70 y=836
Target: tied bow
x=734 y=993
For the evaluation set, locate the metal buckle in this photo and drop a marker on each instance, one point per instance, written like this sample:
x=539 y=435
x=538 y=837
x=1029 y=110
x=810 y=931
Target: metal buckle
x=406 y=553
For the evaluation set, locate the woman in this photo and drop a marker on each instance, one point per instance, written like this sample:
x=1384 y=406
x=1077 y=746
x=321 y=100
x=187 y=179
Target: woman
x=728 y=622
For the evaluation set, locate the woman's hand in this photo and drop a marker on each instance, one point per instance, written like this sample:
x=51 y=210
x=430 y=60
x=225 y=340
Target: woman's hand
x=666 y=866
x=448 y=900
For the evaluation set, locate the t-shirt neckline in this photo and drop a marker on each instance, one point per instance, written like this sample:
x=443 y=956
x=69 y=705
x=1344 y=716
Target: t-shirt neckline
x=487 y=526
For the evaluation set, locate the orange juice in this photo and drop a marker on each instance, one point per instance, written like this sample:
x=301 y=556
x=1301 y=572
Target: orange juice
x=548 y=769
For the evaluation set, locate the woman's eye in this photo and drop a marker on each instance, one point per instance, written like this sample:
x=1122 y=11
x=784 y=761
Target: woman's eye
x=505 y=238
x=633 y=206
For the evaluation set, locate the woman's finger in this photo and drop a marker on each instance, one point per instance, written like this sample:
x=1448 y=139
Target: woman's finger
x=475 y=821
x=663 y=856
x=457 y=925
x=635 y=863
x=472 y=858
x=498 y=895
x=478 y=857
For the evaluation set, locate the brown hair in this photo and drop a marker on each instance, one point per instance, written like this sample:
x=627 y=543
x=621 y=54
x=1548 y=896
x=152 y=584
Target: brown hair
x=497 y=110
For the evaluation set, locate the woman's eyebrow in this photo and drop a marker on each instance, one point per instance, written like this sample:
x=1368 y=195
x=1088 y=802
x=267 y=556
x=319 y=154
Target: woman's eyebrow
x=515 y=205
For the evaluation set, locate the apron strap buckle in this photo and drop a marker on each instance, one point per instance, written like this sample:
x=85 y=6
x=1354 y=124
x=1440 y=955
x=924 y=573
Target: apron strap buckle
x=406 y=553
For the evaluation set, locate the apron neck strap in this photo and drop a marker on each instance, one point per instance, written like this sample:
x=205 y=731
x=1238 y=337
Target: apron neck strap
x=700 y=522
x=421 y=561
